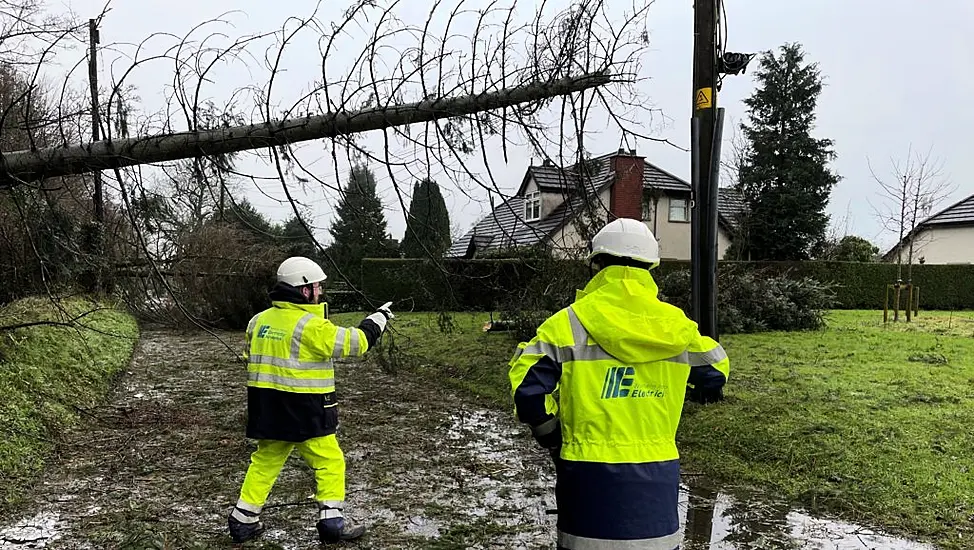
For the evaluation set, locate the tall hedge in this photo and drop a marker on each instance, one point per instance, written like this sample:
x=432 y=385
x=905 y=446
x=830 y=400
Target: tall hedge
x=478 y=285
x=489 y=284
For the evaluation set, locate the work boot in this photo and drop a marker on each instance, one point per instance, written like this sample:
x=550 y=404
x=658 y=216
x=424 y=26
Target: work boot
x=334 y=530
x=242 y=532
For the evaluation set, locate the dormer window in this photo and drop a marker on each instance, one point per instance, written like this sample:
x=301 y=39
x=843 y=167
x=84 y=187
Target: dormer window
x=532 y=206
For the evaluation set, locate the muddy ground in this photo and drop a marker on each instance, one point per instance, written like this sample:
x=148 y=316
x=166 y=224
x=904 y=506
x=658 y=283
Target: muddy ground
x=161 y=464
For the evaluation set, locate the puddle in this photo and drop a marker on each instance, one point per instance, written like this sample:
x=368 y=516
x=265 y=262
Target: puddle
x=719 y=521
x=424 y=527
x=35 y=532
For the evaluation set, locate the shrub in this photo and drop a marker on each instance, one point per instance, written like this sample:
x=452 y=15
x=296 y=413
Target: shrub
x=220 y=279
x=750 y=300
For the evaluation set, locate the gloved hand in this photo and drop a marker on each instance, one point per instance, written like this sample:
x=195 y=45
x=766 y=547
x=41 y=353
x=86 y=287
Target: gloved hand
x=384 y=309
x=548 y=434
x=382 y=316
x=705 y=395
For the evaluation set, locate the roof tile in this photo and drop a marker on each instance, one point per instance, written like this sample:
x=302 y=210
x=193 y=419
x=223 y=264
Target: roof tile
x=505 y=226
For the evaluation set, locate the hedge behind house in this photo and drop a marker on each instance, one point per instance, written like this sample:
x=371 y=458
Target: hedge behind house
x=480 y=285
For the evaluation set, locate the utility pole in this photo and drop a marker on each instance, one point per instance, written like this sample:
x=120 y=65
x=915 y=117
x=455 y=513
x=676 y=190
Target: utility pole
x=706 y=128
x=95 y=118
x=704 y=135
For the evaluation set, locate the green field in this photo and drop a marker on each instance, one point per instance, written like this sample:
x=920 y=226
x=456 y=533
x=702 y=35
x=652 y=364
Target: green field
x=866 y=422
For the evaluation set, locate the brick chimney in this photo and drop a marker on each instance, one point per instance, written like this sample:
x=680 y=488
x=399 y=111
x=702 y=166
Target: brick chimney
x=626 y=193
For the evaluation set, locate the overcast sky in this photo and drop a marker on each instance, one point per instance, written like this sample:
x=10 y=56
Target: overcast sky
x=898 y=73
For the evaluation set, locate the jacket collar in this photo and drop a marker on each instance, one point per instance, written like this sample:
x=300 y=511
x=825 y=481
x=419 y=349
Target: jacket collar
x=616 y=274
x=316 y=309
x=285 y=296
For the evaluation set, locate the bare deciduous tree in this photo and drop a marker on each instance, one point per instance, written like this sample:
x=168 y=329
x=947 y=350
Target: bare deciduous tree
x=738 y=152
x=445 y=94
x=915 y=186
x=908 y=196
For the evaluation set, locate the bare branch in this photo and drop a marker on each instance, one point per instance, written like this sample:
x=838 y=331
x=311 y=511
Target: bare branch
x=483 y=79
x=907 y=197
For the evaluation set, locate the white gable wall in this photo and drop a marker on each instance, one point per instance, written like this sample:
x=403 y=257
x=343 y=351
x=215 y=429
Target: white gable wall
x=567 y=242
x=942 y=245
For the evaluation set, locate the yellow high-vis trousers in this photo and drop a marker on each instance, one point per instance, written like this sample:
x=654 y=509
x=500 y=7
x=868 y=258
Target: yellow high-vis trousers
x=322 y=454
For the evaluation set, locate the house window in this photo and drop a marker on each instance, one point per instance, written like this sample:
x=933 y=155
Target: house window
x=532 y=206
x=649 y=210
x=679 y=210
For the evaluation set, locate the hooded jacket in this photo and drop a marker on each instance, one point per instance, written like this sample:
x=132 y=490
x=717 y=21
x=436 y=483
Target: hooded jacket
x=619 y=359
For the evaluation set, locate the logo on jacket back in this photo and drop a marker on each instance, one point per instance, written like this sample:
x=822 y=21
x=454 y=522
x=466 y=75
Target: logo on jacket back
x=265 y=331
x=621 y=382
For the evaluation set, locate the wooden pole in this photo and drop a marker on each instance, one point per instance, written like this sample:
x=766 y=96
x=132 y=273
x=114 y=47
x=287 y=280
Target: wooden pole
x=909 y=302
x=896 y=302
x=886 y=305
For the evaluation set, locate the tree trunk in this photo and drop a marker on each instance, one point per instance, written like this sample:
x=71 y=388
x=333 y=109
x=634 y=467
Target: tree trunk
x=21 y=166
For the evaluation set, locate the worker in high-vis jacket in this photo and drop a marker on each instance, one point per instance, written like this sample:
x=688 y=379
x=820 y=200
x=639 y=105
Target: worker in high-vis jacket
x=619 y=359
x=291 y=397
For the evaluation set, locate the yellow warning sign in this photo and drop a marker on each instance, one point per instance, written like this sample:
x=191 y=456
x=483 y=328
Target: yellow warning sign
x=704 y=98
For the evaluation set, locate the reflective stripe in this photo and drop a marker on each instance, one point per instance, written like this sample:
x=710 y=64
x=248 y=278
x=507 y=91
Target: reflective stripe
x=338 y=504
x=250 y=334
x=585 y=353
x=296 y=336
x=310 y=374
x=683 y=358
x=291 y=363
x=240 y=516
x=579 y=334
x=592 y=353
x=559 y=354
x=582 y=351
x=355 y=347
x=572 y=542
x=339 y=343
x=262 y=377
x=564 y=354
x=250 y=327
x=329 y=513
x=546 y=427
x=248 y=507
x=710 y=357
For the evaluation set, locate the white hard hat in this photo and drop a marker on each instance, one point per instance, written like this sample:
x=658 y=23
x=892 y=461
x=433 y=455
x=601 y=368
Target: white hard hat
x=626 y=238
x=300 y=271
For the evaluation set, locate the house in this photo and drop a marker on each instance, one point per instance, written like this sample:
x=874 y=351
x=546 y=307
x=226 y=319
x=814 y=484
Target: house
x=553 y=204
x=946 y=237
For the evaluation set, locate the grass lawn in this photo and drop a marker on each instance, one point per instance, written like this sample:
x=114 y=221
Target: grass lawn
x=49 y=375
x=873 y=423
